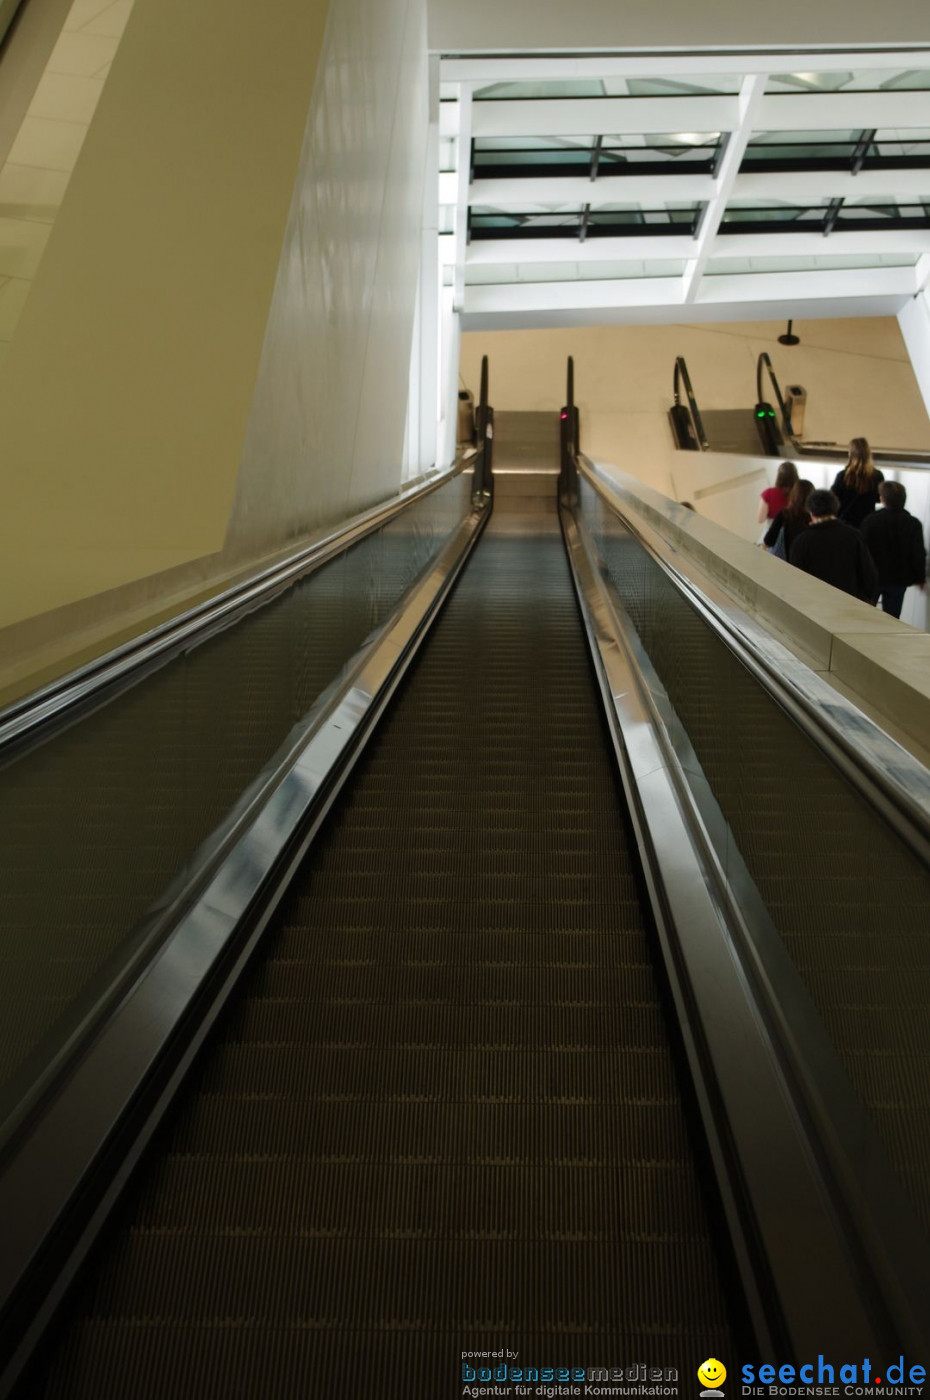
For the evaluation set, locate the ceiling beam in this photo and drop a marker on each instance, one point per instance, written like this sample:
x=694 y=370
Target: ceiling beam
x=842 y=111
x=539 y=67
x=569 y=295
x=776 y=245
x=652 y=299
x=841 y=284
x=810 y=186
x=750 y=99
x=482 y=251
x=512 y=192
x=651 y=315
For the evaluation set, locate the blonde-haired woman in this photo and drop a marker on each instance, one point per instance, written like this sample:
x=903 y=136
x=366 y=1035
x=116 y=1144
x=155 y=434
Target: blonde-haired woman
x=856 y=486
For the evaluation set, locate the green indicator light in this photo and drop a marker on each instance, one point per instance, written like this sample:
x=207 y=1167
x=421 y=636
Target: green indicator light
x=760 y=415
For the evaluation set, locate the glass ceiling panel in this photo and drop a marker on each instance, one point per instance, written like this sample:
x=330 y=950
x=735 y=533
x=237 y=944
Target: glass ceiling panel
x=885 y=146
x=693 y=85
x=555 y=87
x=888 y=201
x=864 y=80
x=519 y=210
x=687 y=140
x=534 y=143
x=802 y=138
x=906 y=135
x=649 y=153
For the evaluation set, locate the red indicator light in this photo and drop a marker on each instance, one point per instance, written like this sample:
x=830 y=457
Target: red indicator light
x=564 y=415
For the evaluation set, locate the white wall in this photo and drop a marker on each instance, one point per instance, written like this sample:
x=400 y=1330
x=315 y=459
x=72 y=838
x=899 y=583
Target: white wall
x=327 y=428
x=914 y=320
x=522 y=25
x=857 y=374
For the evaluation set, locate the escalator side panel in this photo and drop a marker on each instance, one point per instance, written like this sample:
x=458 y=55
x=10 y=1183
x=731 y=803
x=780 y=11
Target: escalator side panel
x=443 y=1114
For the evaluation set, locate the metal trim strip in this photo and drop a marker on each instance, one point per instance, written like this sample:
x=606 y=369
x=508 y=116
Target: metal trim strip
x=759 y=1132
x=153 y=647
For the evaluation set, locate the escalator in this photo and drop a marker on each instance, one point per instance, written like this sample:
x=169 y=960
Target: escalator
x=765 y=429
x=446 y=1101
x=503 y=1057
x=749 y=432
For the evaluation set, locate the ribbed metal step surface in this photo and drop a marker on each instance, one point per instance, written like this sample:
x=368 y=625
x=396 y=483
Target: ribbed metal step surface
x=732 y=430
x=97 y=821
x=443 y=1114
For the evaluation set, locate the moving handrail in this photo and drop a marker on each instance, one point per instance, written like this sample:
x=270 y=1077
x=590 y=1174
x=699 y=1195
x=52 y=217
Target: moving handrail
x=130 y=659
x=87 y=1113
x=870 y=1264
x=917 y=458
x=682 y=380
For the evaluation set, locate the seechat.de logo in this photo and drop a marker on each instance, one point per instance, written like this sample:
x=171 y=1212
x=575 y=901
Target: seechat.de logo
x=712 y=1374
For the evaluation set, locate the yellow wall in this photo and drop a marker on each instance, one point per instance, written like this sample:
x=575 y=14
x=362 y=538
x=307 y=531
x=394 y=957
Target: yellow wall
x=857 y=374
x=126 y=391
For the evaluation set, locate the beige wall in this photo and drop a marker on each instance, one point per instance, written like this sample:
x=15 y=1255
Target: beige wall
x=857 y=374
x=49 y=131
x=608 y=24
x=125 y=393
x=207 y=367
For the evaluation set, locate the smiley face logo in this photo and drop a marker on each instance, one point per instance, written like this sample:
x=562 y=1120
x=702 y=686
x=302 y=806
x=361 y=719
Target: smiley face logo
x=712 y=1373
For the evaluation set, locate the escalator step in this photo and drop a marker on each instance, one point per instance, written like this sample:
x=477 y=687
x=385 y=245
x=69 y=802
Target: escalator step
x=443 y=1113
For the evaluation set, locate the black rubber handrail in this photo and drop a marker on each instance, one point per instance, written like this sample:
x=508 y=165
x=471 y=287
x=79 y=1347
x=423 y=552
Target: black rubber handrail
x=682 y=379
x=62 y=698
x=89 y=1120
x=916 y=457
x=882 y=1233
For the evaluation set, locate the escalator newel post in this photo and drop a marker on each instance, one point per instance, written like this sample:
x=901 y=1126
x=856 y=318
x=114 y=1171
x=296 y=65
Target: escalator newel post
x=484 y=426
x=568 y=425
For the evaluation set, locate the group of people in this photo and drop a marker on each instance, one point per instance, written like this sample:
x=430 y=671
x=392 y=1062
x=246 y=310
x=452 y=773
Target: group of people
x=840 y=537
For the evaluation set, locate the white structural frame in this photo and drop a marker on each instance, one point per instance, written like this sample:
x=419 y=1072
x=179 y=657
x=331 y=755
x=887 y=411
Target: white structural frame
x=521 y=276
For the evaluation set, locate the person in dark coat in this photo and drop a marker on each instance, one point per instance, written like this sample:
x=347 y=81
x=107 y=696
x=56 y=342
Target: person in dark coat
x=856 y=486
x=833 y=551
x=895 y=541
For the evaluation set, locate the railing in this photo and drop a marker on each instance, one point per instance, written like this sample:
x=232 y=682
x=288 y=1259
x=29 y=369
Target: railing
x=763 y=367
x=868 y=1268
x=568 y=437
x=77 y=689
x=916 y=457
x=484 y=436
x=182 y=879
x=682 y=380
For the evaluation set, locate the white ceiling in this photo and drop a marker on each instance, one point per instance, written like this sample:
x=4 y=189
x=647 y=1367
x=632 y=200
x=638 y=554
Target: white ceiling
x=562 y=280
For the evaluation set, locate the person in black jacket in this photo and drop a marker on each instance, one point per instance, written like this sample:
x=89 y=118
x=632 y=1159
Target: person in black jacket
x=792 y=520
x=895 y=541
x=833 y=551
x=856 y=486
